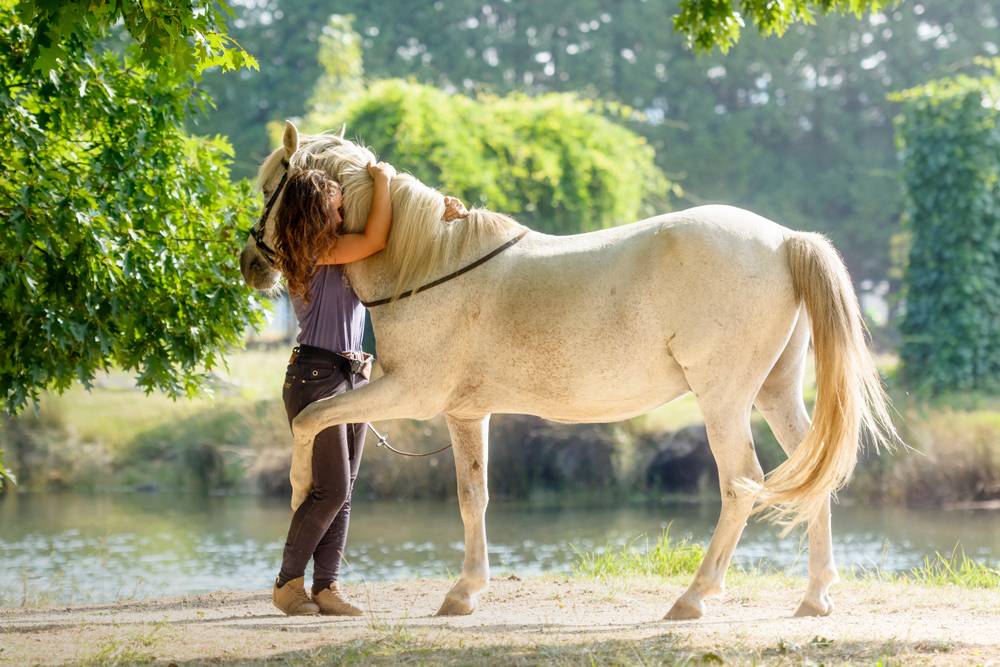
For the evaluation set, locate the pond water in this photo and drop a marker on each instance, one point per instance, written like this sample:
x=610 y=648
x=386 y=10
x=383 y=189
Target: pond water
x=78 y=548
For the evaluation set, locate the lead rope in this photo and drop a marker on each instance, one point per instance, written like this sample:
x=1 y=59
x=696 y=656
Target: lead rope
x=383 y=442
x=383 y=439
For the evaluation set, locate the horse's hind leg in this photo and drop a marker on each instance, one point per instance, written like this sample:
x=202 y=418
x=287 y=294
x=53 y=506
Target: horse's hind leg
x=780 y=401
x=727 y=419
x=469 y=439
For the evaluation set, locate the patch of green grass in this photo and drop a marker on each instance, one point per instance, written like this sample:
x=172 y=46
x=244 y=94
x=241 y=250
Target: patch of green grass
x=664 y=648
x=133 y=650
x=115 y=411
x=956 y=569
x=663 y=558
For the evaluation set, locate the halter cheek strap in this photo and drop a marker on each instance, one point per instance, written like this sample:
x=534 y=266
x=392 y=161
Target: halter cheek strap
x=257 y=231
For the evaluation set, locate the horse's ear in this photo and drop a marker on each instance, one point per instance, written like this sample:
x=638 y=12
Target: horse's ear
x=291 y=139
x=343 y=128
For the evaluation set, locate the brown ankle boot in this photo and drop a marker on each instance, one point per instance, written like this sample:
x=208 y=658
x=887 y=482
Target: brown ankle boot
x=292 y=598
x=332 y=603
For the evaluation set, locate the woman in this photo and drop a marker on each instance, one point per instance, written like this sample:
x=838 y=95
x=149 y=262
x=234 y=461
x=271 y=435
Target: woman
x=309 y=248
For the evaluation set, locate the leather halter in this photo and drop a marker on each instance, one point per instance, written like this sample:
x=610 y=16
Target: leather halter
x=454 y=274
x=257 y=231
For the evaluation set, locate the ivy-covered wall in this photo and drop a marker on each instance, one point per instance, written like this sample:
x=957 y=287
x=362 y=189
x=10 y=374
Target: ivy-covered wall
x=949 y=133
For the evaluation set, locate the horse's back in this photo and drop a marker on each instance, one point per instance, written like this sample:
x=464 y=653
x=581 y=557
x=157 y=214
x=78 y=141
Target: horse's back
x=659 y=263
x=602 y=324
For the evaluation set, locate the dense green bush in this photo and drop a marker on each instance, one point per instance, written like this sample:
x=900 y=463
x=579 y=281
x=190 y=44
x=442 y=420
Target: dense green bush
x=549 y=160
x=555 y=161
x=949 y=132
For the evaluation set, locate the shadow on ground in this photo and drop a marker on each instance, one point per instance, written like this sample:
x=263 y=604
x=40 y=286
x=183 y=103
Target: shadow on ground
x=399 y=646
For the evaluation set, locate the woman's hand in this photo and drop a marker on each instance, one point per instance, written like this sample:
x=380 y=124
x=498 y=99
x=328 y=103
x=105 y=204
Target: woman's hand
x=382 y=170
x=454 y=209
x=353 y=246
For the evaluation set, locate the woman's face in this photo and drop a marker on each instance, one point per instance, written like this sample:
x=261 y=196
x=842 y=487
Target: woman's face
x=337 y=200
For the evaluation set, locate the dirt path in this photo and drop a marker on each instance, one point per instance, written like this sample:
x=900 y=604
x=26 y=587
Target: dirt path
x=566 y=621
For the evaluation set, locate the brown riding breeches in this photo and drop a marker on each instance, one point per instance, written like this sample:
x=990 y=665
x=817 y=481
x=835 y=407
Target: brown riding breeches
x=319 y=525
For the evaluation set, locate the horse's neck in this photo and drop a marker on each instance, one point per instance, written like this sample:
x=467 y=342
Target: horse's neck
x=369 y=278
x=374 y=278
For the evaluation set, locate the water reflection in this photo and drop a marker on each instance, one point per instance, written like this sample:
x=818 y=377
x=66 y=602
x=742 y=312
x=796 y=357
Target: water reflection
x=70 y=548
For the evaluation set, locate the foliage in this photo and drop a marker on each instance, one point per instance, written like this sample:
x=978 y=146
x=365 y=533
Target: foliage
x=183 y=36
x=340 y=57
x=119 y=230
x=710 y=23
x=550 y=160
x=796 y=129
x=949 y=133
x=5 y=474
x=663 y=559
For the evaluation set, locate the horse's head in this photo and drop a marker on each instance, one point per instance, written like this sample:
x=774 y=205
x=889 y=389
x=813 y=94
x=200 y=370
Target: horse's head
x=330 y=152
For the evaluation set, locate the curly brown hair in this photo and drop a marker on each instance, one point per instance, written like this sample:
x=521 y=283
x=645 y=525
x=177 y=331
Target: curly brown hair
x=305 y=227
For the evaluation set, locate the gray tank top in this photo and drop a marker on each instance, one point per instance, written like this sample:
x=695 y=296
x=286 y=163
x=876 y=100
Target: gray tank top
x=334 y=318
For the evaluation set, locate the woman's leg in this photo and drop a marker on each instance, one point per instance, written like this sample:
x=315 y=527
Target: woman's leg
x=312 y=520
x=330 y=550
x=331 y=468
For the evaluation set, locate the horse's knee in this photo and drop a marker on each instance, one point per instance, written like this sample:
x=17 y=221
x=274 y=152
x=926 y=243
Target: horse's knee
x=472 y=496
x=741 y=483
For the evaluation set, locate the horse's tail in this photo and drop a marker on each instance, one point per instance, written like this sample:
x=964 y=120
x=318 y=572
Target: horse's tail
x=850 y=399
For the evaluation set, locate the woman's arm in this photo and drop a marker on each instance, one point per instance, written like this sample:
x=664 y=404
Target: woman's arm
x=352 y=247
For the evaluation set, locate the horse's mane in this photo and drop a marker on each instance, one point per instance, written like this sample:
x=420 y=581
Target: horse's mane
x=420 y=245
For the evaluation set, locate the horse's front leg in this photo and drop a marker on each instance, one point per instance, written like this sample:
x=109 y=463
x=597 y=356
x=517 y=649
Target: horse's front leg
x=469 y=438
x=384 y=398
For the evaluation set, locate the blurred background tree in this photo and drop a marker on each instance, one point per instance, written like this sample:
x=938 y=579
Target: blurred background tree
x=119 y=227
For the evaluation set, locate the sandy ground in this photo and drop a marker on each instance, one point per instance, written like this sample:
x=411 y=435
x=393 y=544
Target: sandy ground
x=531 y=621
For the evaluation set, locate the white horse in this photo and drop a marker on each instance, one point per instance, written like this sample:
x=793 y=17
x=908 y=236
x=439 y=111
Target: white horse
x=601 y=327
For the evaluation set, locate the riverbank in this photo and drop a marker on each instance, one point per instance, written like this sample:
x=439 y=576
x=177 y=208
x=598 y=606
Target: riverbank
x=115 y=438
x=558 y=620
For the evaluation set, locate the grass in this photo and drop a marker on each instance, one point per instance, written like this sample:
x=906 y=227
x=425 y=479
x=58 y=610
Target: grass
x=956 y=569
x=133 y=650
x=117 y=438
x=671 y=558
x=665 y=558
x=115 y=411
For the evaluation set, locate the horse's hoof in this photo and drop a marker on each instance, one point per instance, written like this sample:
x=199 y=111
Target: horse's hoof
x=811 y=608
x=455 y=606
x=685 y=611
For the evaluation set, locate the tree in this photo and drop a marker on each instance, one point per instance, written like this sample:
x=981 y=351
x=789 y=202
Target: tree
x=717 y=23
x=118 y=235
x=184 y=36
x=949 y=132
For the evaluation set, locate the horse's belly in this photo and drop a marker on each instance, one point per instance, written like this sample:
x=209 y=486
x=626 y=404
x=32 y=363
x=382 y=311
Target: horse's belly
x=605 y=388
x=608 y=409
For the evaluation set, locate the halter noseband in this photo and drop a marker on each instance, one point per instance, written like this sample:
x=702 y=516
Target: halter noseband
x=257 y=231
